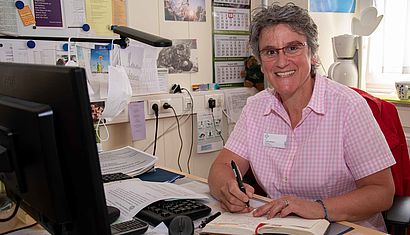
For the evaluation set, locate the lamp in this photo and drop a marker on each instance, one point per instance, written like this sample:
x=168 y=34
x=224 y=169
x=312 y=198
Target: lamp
x=150 y=39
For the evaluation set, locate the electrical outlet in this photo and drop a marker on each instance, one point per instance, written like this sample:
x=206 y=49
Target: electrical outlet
x=162 y=110
x=187 y=103
x=152 y=102
x=218 y=100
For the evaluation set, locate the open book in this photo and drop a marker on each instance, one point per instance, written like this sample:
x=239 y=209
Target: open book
x=246 y=224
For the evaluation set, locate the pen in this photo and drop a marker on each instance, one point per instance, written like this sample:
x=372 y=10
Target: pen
x=238 y=178
x=209 y=219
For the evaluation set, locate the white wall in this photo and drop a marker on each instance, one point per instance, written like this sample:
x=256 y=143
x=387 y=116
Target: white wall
x=149 y=16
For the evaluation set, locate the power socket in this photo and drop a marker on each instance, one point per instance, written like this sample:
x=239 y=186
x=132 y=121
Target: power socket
x=187 y=103
x=218 y=100
x=162 y=110
x=152 y=102
x=211 y=103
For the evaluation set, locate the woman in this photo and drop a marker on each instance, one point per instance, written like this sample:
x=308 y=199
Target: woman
x=312 y=143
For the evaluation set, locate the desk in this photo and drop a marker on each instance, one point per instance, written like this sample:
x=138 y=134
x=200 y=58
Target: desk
x=358 y=230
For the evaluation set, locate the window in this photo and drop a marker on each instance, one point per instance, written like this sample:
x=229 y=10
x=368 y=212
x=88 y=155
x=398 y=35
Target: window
x=389 y=47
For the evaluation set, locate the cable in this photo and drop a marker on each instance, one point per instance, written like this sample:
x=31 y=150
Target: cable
x=171 y=127
x=97 y=130
x=212 y=105
x=16 y=208
x=192 y=130
x=155 y=108
x=218 y=131
x=228 y=117
x=168 y=106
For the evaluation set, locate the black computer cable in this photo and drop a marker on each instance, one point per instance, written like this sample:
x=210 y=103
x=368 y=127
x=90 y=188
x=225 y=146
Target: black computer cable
x=168 y=106
x=156 y=111
x=192 y=130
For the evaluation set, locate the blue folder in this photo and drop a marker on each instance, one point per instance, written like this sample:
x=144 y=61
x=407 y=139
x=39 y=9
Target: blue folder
x=160 y=175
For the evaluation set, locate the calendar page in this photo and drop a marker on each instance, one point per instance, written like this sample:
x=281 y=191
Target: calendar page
x=231 y=20
x=231 y=45
x=229 y=72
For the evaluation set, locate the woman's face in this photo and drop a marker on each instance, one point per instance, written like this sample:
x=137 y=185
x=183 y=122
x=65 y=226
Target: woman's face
x=289 y=75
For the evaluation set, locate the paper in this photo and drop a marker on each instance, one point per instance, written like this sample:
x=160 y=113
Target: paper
x=235 y=100
x=48 y=13
x=8 y=16
x=76 y=17
x=119 y=12
x=245 y=223
x=6 y=51
x=131 y=196
x=126 y=160
x=137 y=120
x=99 y=16
x=208 y=126
x=140 y=62
x=26 y=16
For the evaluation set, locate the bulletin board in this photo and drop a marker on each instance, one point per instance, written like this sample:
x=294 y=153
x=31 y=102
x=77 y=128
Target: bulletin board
x=61 y=18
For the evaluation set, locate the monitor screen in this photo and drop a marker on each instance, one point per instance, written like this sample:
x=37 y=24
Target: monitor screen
x=48 y=155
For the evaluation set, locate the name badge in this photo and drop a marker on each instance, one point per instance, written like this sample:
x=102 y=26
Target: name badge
x=274 y=140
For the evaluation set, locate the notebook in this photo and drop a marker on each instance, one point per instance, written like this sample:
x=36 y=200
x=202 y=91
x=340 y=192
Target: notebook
x=247 y=224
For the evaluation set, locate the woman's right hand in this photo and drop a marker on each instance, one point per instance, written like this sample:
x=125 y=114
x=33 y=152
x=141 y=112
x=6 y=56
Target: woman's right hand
x=233 y=199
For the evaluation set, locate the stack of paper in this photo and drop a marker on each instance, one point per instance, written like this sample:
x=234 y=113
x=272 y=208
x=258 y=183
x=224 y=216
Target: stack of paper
x=126 y=160
x=131 y=196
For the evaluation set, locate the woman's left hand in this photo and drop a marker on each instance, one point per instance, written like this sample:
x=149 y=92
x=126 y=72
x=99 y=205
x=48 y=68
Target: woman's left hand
x=286 y=205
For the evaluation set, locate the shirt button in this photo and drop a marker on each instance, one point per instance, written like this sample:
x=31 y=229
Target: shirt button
x=285 y=179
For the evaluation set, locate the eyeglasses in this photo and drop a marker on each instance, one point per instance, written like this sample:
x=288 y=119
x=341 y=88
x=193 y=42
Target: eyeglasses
x=291 y=50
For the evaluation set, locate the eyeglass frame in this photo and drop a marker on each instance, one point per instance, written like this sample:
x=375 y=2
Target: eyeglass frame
x=298 y=44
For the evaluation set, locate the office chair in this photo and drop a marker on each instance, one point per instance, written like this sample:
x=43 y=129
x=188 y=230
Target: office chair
x=397 y=218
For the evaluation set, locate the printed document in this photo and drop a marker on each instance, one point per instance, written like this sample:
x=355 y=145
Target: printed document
x=132 y=195
x=127 y=160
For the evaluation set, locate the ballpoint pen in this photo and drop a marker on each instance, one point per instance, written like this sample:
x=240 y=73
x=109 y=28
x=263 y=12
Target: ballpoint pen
x=209 y=219
x=238 y=178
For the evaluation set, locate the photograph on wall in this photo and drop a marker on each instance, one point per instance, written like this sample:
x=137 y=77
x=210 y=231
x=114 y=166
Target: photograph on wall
x=181 y=57
x=61 y=55
x=347 y=6
x=100 y=59
x=185 y=10
x=97 y=109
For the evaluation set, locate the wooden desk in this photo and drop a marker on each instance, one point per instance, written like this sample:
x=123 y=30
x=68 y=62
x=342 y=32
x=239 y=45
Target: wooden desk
x=18 y=222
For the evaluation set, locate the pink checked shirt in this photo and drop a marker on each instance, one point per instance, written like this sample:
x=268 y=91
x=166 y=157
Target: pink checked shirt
x=336 y=142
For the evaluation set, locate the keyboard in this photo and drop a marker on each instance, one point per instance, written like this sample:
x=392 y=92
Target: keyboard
x=132 y=227
x=115 y=177
x=166 y=210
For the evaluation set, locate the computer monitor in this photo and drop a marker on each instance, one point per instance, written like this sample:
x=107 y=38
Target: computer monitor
x=48 y=155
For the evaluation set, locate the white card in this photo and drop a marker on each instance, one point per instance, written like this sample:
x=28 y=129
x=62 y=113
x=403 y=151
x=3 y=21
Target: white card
x=274 y=140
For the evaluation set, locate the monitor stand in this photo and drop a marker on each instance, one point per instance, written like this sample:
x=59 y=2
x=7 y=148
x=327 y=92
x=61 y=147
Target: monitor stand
x=113 y=214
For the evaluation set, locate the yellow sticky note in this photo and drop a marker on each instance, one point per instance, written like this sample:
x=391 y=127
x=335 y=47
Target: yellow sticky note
x=26 y=16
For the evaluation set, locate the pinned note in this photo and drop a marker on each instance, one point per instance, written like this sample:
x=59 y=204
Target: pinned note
x=26 y=16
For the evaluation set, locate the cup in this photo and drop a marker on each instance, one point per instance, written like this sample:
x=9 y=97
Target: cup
x=402 y=90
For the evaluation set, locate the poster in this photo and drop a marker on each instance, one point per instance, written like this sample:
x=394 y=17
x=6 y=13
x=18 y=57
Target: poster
x=347 y=6
x=185 y=10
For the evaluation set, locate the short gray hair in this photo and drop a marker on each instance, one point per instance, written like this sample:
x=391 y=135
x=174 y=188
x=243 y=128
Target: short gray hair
x=294 y=16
